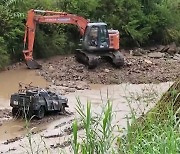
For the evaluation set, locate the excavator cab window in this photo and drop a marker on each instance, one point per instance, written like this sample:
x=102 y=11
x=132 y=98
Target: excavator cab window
x=96 y=37
x=104 y=37
x=93 y=37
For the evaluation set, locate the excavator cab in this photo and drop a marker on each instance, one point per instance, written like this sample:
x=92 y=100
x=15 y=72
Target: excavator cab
x=96 y=37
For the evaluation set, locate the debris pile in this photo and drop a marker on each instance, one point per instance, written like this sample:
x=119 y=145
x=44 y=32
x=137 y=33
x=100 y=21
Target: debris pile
x=64 y=71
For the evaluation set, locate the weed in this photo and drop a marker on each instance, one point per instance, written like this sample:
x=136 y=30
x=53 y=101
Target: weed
x=98 y=137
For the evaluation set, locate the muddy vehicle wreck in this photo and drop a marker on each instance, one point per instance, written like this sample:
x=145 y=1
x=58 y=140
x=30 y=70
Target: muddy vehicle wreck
x=34 y=101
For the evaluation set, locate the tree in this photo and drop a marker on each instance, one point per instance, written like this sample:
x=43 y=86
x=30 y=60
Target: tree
x=3 y=54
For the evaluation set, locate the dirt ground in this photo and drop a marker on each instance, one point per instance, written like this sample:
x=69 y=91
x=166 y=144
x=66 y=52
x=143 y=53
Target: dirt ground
x=137 y=70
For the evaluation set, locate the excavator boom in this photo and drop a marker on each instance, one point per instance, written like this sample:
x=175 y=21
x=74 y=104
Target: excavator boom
x=40 y=16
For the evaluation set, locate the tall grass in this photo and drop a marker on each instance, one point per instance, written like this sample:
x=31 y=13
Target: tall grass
x=152 y=136
x=98 y=137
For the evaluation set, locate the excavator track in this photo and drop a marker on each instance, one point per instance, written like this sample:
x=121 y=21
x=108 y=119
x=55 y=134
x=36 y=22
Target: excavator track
x=116 y=57
x=91 y=60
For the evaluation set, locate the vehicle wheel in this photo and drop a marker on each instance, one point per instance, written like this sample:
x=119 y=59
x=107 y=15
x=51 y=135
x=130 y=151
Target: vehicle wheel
x=15 y=112
x=40 y=113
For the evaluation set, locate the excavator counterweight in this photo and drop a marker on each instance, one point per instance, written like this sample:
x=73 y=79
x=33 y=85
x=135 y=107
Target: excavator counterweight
x=97 y=41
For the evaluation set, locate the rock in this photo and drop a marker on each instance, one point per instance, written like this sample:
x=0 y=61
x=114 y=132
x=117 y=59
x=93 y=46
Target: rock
x=145 y=52
x=131 y=52
x=65 y=84
x=148 y=61
x=153 y=49
x=178 y=50
x=156 y=55
x=128 y=64
x=172 y=49
x=177 y=57
x=38 y=73
x=168 y=56
x=80 y=70
x=57 y=83
x=70 y=90
x=106 y=70
x=160 y=48
x=114 y=81
x=137 y=52
x=79 y=87
x=51 y=69
x=20 y=63
x=165 y=49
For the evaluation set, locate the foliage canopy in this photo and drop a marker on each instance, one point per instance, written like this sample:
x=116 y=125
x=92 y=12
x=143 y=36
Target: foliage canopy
x=140 y=23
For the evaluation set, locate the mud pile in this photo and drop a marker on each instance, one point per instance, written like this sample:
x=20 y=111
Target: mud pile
x=65 y=71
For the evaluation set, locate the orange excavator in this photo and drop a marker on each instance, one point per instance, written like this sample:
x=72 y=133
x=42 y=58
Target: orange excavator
x=97 y=41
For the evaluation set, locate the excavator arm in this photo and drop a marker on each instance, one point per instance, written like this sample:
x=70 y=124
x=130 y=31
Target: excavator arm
x=40 y=16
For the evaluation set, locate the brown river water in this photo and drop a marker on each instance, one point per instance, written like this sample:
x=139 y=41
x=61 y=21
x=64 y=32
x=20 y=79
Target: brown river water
x=9 y=81
x=98 y=95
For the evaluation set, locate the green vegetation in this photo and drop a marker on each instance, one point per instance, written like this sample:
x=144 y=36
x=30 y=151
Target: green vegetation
x=3 y=53
x=156 y=132
x=140 y=23
x=152 y=137
x=98 y=130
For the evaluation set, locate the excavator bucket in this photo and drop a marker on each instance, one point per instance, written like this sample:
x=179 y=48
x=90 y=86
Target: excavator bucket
x=32 y=64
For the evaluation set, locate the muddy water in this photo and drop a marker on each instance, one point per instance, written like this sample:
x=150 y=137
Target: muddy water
x=9 y=81
x=121 y=96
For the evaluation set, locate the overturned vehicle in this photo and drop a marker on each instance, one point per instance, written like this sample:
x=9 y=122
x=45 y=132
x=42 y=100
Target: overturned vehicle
x=32 y=101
